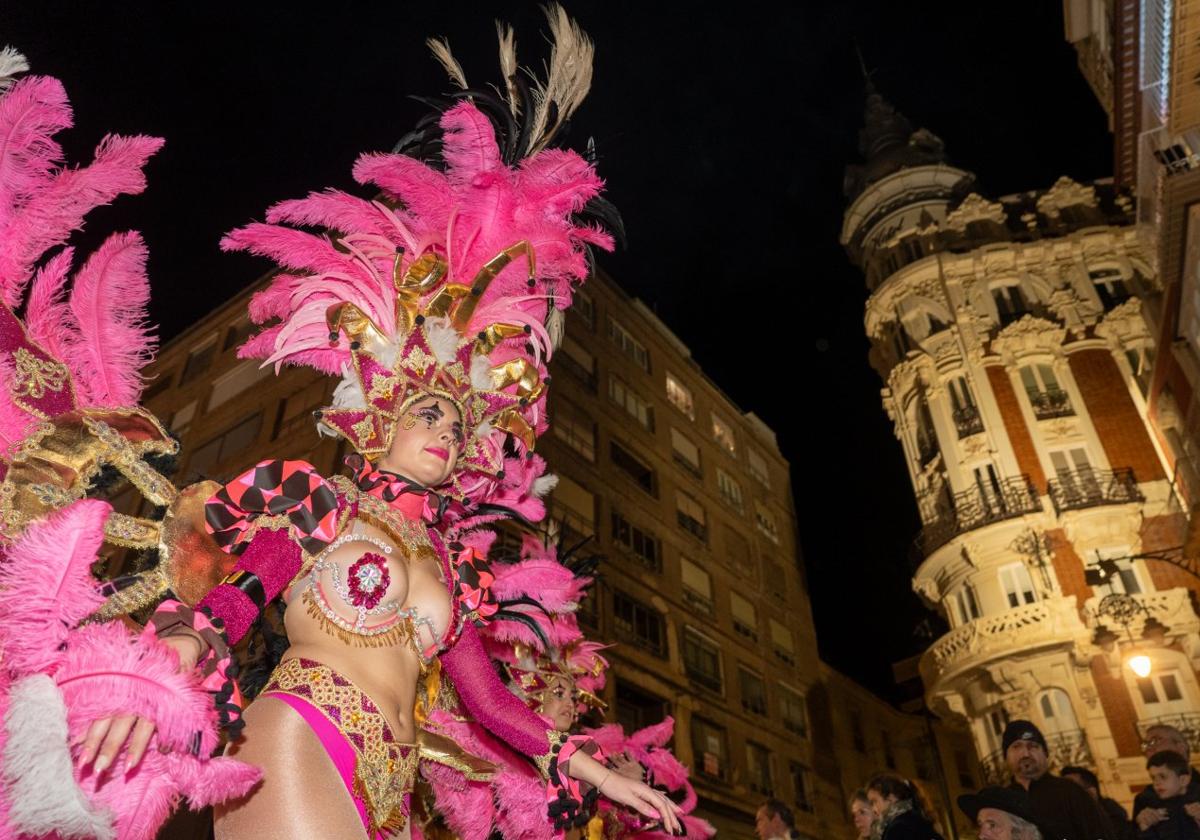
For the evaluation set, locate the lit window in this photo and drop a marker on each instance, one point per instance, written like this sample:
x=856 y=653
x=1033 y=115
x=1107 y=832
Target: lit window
x=642 y=544
x=745 y=616
x=759 y=469
x=575 y=430
x=691 y=515
x=680 y=396
x=686 y=453
x=701 y=659
x=697 y=586
x=730 y=490
x=781 y=642
x=765 y=520
x=723 y=435
x=629 y=345
x=634 y=405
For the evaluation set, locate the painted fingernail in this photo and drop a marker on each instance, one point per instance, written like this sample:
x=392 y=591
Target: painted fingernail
x=101 y=764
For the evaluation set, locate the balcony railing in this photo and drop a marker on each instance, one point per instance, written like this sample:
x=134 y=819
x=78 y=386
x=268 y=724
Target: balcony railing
x=1063 y=748
x=1053 y=402
x=980 y=506
x=967 y=421
x=1089 y=488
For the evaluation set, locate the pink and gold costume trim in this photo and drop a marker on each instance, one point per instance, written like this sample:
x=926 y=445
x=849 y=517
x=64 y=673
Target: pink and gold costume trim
x=377 y=770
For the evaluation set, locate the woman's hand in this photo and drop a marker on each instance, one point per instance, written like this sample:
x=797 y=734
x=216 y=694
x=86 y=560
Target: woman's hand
x=644 y=799
x=106 y=736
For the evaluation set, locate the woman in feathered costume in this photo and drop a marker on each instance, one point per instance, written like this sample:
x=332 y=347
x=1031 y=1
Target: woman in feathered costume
x=439 y=304
x=559 y=675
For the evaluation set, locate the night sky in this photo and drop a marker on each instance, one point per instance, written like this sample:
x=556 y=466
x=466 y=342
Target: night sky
x=723 y=133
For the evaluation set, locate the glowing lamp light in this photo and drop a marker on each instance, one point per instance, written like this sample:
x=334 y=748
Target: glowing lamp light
x=1140 y=665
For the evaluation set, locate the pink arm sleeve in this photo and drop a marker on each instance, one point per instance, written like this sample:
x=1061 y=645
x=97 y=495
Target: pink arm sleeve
x=275 y=558
x=489 y=702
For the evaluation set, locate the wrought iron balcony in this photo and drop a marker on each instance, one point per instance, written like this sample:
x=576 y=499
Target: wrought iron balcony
x=1089 y=488
x=980 y=506
x=1063 y=748
x=967 y=421
x=1053 y=402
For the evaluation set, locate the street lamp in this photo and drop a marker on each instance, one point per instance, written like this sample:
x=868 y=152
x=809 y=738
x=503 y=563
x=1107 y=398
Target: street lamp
x=1140 y=665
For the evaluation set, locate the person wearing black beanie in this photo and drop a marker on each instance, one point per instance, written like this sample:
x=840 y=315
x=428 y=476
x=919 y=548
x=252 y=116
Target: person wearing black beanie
x=1062 y=808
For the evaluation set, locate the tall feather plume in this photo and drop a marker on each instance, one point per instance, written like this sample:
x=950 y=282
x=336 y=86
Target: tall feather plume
x=31 y=112
x=46 y=587
x=441 y=51
x=508 y=65
x=47 y=312
x=568 y=77
x=112 y=341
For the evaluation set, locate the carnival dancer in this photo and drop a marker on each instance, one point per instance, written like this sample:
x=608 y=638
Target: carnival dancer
x=559 y=674
x=438 y=303
x=69 y=387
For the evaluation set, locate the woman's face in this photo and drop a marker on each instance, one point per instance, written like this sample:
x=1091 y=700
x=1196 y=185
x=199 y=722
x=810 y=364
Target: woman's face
x=558 y=703
x=880 y=803
x=863 y=814
x=426 y=442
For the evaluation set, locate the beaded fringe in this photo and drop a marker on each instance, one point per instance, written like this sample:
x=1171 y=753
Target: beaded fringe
x=401 y=633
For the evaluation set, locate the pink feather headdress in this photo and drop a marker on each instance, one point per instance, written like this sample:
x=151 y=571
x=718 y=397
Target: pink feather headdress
x=450 y=281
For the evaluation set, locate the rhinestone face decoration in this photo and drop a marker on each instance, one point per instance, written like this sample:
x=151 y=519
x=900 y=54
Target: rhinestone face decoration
x=368 y=581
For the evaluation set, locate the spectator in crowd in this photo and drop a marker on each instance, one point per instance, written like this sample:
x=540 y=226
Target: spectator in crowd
x=1001 y=814
x=900 y=814
x=1087 y=780
x=774 y=821
x=862 y=813
x=1173 y=812
x=1062 y=809
x=1158 y=738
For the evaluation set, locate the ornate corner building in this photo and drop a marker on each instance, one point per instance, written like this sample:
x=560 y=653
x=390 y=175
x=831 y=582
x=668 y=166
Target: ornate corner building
x=1016 y=340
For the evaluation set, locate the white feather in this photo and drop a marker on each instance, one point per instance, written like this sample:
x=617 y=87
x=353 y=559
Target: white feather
x=444 y=340
x=481 y=373
x=556 y=327
x=38 y=775
x=544 y=484
x=11 y=63
x=349 y=393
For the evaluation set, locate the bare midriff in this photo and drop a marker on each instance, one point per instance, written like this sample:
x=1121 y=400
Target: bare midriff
x=389 y=673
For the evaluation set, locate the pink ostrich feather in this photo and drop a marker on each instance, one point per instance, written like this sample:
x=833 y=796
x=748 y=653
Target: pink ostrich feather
x=111 y=341
x=106 y=670
x=57 y=207
x=553 y=584
x=424 y=192
x=47 y=585
x=46 y=311
x=31 y=113
x=333 y=209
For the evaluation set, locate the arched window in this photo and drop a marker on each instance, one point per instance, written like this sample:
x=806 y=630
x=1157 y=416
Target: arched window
x=1011 y=302
x=1058 y=716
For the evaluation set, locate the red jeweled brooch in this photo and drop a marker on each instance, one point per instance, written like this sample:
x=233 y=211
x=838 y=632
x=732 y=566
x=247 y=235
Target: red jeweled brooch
x=368 y=580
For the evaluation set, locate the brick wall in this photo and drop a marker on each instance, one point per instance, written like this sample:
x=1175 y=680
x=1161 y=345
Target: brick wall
x=1068 y=567
x=1014 y=425
x=1118 y=424
x=1118 y=709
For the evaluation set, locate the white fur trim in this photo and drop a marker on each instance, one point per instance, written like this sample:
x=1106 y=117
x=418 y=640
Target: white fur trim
x=544 y=484
x=37 y=771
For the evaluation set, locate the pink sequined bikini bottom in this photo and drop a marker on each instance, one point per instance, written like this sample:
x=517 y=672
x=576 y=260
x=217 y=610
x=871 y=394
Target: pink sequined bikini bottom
x=378 y=772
